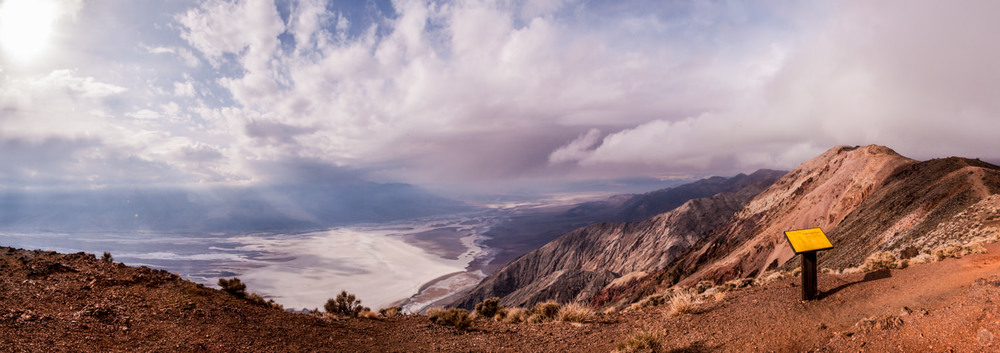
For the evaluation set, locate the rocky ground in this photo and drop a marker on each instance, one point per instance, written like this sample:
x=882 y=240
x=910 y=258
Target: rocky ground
x=52 y=302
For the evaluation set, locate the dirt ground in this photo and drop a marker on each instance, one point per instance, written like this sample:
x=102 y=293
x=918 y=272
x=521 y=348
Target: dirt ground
x=52 y=302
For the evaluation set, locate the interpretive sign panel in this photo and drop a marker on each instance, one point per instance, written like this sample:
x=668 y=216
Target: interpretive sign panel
x=807 y=240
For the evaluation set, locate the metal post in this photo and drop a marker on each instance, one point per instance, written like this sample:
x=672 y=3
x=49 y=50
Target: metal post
x=809 y=275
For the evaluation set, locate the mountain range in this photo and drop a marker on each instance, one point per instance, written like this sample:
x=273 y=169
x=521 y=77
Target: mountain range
x=868 y=199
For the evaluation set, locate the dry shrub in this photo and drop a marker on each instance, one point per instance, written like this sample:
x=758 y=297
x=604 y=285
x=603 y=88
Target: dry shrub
x=458 y=318
x=923 y=258
x=719 y=296
x=644 y=341
x=542 y=312
x=489 y=308
x=683 y=303
x=259 y=300
x=768 y=277
x=345 y=304
x=512 y=315
x=233 y=286
x=652 y=300
x=575 y=312
x=368 y=314
x=947 y=251
x=795 y=272
x=880 y=260
x=904 y=263
x=851 y=270
x=975 y=248
x=703 y=286
x=391 y=312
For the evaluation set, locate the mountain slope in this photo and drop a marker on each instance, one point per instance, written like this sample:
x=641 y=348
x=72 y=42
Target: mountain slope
x=528 y=230
x=575 y=266
x=866 y=199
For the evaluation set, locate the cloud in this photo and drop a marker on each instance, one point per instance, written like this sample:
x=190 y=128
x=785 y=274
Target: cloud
x=442 y=92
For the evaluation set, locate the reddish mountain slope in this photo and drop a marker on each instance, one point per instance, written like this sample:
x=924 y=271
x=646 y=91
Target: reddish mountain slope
x=577 y=265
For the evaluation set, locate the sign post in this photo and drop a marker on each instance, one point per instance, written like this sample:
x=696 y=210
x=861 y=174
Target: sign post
x=807 y=242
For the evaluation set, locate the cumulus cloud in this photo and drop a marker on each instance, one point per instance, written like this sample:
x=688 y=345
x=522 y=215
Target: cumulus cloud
x=450 y=92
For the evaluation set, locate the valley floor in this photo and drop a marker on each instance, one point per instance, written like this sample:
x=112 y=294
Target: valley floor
x=53 y=302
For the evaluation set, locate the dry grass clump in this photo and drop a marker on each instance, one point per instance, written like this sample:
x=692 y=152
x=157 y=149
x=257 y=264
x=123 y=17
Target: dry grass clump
x=652 y=300
x=944 y=252
x=391 y=312
x=768 y=277
x=683 y=303
x=458 y=318
x=575 y=312
x=369 y=314
x=923 y=258
x=880 y=260
x=511 y=315
x=643 y=341
x=703 y=286
x=975 y=248
x=543 y=312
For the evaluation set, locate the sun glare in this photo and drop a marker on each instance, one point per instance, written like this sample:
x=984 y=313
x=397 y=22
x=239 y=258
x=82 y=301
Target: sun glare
x=26 y=26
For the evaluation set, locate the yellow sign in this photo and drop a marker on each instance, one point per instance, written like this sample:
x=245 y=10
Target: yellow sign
x=806 y=240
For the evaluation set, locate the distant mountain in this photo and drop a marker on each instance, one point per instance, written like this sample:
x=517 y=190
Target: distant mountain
x=577 y=265
x=528 y=230
x=273 y=208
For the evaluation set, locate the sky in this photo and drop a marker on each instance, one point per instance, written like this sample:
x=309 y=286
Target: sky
x=484 y=95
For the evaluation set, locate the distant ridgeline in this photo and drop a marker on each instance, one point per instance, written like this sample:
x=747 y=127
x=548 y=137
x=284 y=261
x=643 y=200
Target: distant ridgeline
x=273 y=208
x=869 y=199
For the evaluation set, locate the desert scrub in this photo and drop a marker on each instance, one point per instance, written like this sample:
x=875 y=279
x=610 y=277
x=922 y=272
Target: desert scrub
x=512 y=315
x=575 y=312
x=345 y=304
x=644 y=341
x=944 y=252
x=369 y=314
x=683 y=303
x=880 y=260
x=542 y=312
x=652 y=300
x=107 y=257
x=233 y=286
x=455 y=317
x=489 y=308
x=391 y=312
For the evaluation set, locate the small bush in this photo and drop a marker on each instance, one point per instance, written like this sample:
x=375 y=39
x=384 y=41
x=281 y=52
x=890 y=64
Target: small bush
x=923 y=258
x=345 y=304
x=259 y=300
x=644 y=341
x=702 y=286
x=512 y=315
x=391 y=312
x=107 y=257
x=975 y=248
x=233 y=286
x=458 y=318
x=683 y=304
x=575 y=312
x=489 y=307
x=542 y=312
x=948 y=251
x=881 y=260
x=369 y=314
